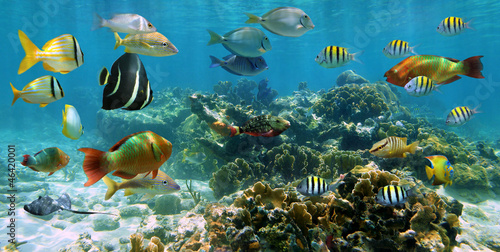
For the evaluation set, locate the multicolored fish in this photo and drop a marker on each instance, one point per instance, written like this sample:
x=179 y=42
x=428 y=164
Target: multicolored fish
x=394 y=195
x=162 y=184
x=126 y=23
x=127 y=86
x=442 y=70
x=43 y=91
x=441 y=170
x=47 y=160
x=61 y=54
x=452 y=26
x=72 y=125
x=460 y=115
x=140 y=152
x=284 y=21
x=150 y=44
x=316 y=186
x=421 y=86
x=240 y=65
x=398 y=49
x=393 y=147
x=263 y=125
x=245 y=41
x=335 y=56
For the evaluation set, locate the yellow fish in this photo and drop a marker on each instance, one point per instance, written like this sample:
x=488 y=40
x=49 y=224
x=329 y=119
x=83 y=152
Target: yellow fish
x=150 y=44
x=61 y=54
x=72 y=126
x=393 y=147
x=43 y=91
x=441 y=170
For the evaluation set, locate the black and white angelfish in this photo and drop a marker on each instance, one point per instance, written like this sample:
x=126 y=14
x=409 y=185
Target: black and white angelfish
x=127 y=85
x=394 y=195
x=316 y=186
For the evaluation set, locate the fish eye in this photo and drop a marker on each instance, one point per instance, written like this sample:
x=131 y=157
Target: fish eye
x=150 y=25
x=277 y=120
x=306 y=16
x=266 y=38
x=164 y=44
x=165 y=182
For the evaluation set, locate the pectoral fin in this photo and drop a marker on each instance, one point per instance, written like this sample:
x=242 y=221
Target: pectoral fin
x=157 y=153
x=145 y=45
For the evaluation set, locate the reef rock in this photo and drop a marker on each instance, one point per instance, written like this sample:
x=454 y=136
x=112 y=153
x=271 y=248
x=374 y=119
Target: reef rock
x=349 y=77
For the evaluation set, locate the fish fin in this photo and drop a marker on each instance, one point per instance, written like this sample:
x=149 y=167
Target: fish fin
x=128 y=192
x=64 y=117
x=157 y=153
x=468 y=25
x=451 y=59
x=355 y=57
x=146 y=45
x=49 y=68
x=235 y=130
x=124 y=175
x=98 y=22
x=51 y=173
x=413 y=147
x=450 y=80
x=92 y=165
x=30 y=49
x=436 y=88
x=403 y=155
x=412 y=49
x=475 y=110
x=16 y=92
x=118 y=40
x=473 y=67
x=155 y=173
x=43 y=105
x=64 y=72
x=429 y=171
x=112 y=187
x=252 y=19
x=228 y=57
x=215 y=62
x=147 y=196
x=123 y=140
x=214 y=38
x=103 y=76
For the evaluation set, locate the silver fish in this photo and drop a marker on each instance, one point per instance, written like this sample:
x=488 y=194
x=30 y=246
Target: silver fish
x=316 y=186
x=284 y=21
x=126 y=23
x=245 y=41
x=393 y=195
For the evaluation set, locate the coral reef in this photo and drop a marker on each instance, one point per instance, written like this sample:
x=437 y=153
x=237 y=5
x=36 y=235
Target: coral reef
x=349 y=77
x=137 y=243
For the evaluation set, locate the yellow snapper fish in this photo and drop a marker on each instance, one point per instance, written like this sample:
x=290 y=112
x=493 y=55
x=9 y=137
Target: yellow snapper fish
x=244 y=41
x=150 y=44
x=61 y=54
x=43 y=91
x=284 y=21
x=335 y=56
x=162 y=184
x=441 y=170
x=126 y=23
x=72 y=126
x=393 y=147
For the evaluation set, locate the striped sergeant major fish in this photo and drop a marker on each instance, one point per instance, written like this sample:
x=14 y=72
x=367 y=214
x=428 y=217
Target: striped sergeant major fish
x=393 y=147
x=452 y=26
x=316 y=186
x=421 y=86
x=43 y=91
x=335 y=56
x=61 y=54
x=394 y=195
x=398 y=49
x=460 y=115
x=127 y=86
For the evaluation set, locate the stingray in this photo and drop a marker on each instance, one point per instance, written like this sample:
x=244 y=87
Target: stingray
x=46 y=205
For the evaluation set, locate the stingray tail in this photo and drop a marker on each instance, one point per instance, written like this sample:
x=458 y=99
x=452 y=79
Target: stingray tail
x=86 y=212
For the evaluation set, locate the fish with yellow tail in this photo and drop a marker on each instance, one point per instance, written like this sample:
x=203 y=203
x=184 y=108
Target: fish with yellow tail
x=440 y=170
x=263 y=125
x=150 y=44
x=47 y=160
x=72 y=125
x=141 y=152
x=61 y=54
x=393 y=147
x=162 y=184
x=43 y=91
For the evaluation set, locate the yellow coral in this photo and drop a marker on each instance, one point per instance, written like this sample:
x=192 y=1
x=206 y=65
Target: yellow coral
x=420 y=222
x=363 y=188
x=136 y=240
x=298 y=212
x=263 y=195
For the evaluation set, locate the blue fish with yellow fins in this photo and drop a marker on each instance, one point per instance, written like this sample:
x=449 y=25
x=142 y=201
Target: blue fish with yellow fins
x=441 y=170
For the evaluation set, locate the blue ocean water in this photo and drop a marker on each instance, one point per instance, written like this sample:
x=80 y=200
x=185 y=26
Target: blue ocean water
x=358 y=25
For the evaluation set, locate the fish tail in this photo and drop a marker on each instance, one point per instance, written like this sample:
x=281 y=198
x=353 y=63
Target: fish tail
x=92 y=165
x=355 y=57
x=473 y=67
x=413 y=147
x=16 y=92
x=475 y=110
x=235 y=130
x=214 y=38
x=112 y=187
x=30 y=50
x=215 y=62
x=118 y=40
x=252 y=19
x=468 y=25
x=429 y=171
x=103 y=76
x=412 y=49
x=98 y=22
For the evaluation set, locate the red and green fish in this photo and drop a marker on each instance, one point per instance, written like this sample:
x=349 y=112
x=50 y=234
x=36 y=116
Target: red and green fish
x=142 y=152
x=47 y=160
x=440 y=69
x=263 y=125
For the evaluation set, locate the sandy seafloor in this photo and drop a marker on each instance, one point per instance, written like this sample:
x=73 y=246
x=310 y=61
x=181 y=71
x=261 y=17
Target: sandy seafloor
x=480 y=222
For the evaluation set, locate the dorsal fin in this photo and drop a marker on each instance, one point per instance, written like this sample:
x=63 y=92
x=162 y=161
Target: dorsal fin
x=119 y=143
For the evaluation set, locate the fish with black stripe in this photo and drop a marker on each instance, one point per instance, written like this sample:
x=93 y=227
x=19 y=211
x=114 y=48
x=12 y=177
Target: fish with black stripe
x=43 y=91
x=127 y=85
x=460 y=115
x=61 y=54
x=316 y=186
x=335 y=56
x=393 y=147
x=421 y=86
x=392 y=195
x=452 y=26
x=397 y=49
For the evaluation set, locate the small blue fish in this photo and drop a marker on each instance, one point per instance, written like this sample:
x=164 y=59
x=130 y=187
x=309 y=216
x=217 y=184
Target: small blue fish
x=240 y=65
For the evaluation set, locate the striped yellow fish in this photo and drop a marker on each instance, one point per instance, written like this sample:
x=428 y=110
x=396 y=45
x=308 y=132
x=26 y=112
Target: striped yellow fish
x=316 y=186
x=43 y=91
x=421 y=86
x=397 y=49
x=150 y=44
x=61 y=54
x=394 y=195
x=452 y=26
x=460 y=115
x=393 y=147
x=335 y=56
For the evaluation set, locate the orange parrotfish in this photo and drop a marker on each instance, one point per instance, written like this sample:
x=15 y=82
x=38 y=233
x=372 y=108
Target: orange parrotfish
x=440 y=69
x=441 y=170
x=47 y=160
x=141 y=152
